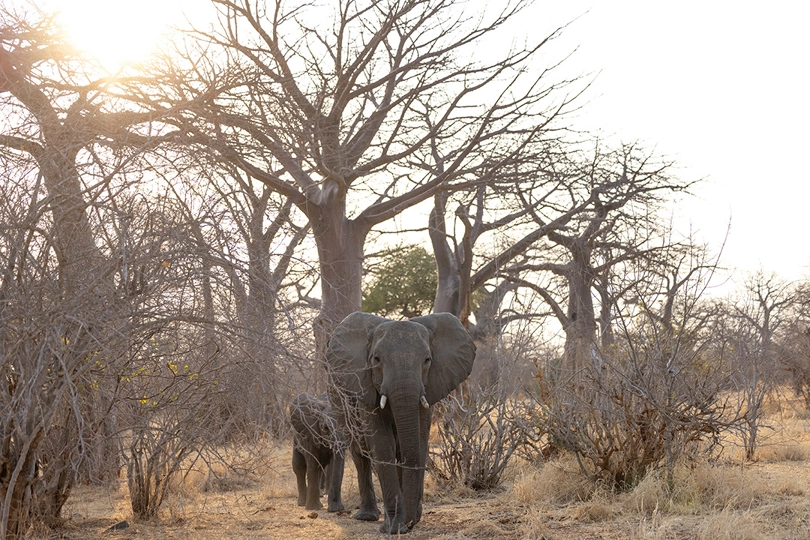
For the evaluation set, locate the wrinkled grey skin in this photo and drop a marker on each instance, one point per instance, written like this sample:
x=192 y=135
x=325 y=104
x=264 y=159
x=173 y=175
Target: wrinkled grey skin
x=318 y=450
x=413 y=364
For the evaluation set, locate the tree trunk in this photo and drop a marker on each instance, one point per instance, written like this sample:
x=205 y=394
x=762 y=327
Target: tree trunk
x=340 y=244
x=580 y=334
x=606 y=336
x=447 y=292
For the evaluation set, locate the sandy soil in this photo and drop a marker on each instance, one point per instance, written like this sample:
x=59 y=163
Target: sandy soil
x=779 y=507
x=769 y=499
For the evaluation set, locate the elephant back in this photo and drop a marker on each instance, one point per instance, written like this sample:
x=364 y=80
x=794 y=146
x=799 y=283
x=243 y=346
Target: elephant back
x=307 y=412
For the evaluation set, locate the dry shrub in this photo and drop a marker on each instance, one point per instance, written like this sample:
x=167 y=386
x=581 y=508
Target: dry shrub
x=479 y=437
x=632 y=411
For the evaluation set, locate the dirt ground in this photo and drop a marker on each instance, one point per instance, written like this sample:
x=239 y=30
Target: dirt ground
x=779 y=507
x=769 y=498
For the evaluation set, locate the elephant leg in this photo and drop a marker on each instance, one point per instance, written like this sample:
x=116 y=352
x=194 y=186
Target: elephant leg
x=299 y=466
x=314 y=473
x=334 y=483
x=389 y=474
x=327 y=473
x=368 y=501
x=426 y=417
x=392 y=496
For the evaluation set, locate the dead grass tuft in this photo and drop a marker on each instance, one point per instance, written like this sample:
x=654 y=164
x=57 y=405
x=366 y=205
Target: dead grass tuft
x=788 y=486
x=721 y=487
x=559 y=481
x=593 y=511
x=648 y=497
x=729 y=525
x=534 y=527
x=790 y=451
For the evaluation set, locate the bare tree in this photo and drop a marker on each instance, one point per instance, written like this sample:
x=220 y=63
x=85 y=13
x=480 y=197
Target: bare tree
x=625 y=189
x=338 y=108
x=91 y=277
x=756 y=318
x=657 y=395
x=520 y=202
x=795 y=346
x=55 y=276
x=248 y=242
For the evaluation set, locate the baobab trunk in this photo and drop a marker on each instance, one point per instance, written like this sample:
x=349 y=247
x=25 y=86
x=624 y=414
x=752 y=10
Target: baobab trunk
x=340 y=244
x=580 y=333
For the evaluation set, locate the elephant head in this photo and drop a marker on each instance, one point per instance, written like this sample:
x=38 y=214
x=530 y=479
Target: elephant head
x=390 y=373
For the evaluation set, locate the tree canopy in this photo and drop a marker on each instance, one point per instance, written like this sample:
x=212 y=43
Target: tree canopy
x=403 y=284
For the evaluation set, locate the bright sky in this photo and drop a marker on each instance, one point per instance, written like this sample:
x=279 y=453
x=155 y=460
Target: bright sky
x=721 y=86
x=119 y=31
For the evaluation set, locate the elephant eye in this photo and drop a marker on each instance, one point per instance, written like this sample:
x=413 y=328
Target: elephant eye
x=376 y=359
x=427 y=360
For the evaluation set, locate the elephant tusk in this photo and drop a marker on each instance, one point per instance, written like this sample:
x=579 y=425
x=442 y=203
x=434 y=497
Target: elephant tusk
x=383 y=400
x=424 y=402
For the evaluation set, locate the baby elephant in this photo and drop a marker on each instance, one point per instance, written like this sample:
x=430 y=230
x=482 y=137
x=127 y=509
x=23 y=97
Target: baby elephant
x=318 y=451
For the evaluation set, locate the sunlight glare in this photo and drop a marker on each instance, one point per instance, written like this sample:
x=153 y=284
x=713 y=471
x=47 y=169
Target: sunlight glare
x=118 y=32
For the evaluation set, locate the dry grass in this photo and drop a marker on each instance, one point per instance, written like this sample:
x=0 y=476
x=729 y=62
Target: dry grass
x=769 y=498
x=558 y=482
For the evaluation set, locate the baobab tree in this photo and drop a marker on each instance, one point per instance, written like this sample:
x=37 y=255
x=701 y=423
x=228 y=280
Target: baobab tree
x=625 y=188
x=57 y=289
x=339 y=107
x=530 y=195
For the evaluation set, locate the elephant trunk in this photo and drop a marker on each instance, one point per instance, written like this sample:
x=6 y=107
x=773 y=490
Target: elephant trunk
x=407 y=410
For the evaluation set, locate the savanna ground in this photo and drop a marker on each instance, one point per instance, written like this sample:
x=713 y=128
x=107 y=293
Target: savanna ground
x=727 y=499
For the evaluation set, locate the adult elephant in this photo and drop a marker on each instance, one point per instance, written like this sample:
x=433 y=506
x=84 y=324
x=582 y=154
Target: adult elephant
x=318 y=447
x=384 y=377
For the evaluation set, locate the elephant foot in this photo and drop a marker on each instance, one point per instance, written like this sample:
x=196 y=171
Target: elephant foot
x=367 y=514
x=393 y=528
x=314 y=506
x=302 y=502
x=334 y=507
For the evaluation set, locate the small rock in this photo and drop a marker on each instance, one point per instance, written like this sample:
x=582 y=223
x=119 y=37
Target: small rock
x=312 y=515
x=120 y=526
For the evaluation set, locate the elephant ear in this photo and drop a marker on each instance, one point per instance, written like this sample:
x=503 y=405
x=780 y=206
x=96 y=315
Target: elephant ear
x=347 y=354
x=453 y=354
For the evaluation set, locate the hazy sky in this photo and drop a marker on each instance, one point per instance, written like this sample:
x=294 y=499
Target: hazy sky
x=723 y=87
